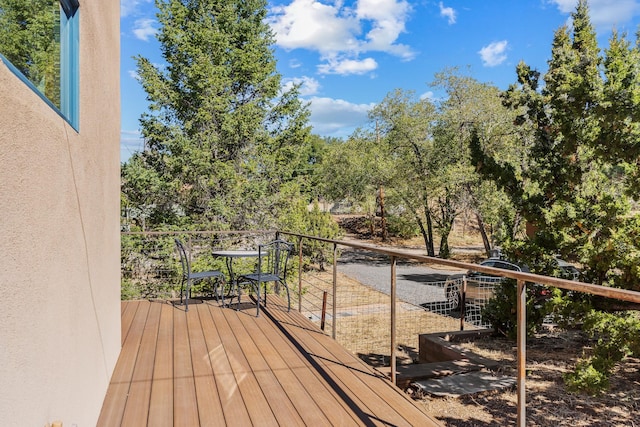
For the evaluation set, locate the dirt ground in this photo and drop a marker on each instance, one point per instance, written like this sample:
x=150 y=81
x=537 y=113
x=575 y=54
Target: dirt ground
x=550 y=355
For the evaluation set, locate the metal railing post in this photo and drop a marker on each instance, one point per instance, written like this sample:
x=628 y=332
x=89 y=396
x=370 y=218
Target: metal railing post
x=522 y=351
x=300 y=274
x=393 y=319
x=463 y=301
x=335 y=291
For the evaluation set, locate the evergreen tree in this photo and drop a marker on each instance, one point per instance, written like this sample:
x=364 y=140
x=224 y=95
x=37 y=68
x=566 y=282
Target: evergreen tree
x=582 y=157
x=221 y=138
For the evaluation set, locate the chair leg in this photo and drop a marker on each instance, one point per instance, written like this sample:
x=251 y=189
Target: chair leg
x=286 y=288
x=238 y=294
x=181 y=289
x=265 y=293
x=221 y=294
x=258 y=299
x=187 y=294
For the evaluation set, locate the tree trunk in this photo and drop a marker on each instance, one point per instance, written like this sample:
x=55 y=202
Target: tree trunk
x=431 y=251
x=425 y=235
x=444 y=251
x=483 y=233
x=385 y=234
x=516 y=226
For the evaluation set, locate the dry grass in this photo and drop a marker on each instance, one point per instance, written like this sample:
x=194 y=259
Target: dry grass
x=363 y=318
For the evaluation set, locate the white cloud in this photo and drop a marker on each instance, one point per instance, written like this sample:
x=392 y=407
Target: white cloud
x=336 y=31
x=130 y=7
x=143 y=29
x=295 y=63
x=134 y=74
x=337 y=117
x=387 y=19
x=308 y=85
x=313 y=25
x=604 y=12
x=428 y=95
x=494 y=53
x=448 y=12
x=348 y=66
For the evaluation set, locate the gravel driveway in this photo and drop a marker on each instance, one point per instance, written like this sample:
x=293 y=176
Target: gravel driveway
x=416 y=283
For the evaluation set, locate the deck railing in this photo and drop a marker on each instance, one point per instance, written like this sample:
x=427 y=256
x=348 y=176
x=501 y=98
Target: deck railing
x=327 y=292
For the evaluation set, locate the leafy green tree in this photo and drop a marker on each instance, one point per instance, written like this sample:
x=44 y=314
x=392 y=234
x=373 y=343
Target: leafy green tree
x=303 y=219
x=355 y=170
x=406 y=125
x=428 y=149
x=571 y=191
x=470 y=109
x=221 y=137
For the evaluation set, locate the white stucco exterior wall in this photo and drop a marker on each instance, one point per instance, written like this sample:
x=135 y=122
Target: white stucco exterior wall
x=59 y=238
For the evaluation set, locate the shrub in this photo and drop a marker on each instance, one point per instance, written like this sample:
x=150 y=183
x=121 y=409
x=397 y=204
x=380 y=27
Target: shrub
x=501 y=310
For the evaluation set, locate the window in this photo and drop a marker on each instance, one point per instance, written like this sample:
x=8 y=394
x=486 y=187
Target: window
x=39 y=42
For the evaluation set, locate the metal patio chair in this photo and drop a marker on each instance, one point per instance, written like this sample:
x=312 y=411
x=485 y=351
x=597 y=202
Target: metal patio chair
x=189 y=277
x=273 y=260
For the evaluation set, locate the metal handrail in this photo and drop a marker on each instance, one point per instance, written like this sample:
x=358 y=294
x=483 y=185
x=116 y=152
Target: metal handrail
x=521 y=278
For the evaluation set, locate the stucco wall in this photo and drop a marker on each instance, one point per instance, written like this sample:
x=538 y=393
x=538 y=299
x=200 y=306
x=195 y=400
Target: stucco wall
x=59 y=238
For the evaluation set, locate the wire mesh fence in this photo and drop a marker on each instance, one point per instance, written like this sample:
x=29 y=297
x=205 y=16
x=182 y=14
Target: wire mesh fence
x=362 y=304
x=425 y=301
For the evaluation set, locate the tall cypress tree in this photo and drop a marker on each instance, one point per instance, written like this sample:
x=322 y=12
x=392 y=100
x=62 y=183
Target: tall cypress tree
x=221 y=137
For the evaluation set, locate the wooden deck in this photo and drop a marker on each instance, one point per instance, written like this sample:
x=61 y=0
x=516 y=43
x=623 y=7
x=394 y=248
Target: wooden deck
x=217 y=366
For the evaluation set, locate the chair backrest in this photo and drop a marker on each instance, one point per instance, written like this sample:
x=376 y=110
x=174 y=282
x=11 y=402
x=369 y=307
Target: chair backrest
x=274 y=257
x=184 y=259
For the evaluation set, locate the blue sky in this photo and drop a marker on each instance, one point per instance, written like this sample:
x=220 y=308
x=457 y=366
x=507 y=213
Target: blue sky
x=348 y=54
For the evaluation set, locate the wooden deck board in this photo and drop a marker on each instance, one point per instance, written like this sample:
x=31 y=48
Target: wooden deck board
x=161 y=403
x=135 y=413
x=282 y=363
x=231 y=400
x=118 y=391
x=185 y=404
x=210 y=412
x=214 y=366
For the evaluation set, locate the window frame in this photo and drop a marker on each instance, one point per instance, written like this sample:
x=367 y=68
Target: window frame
x=69 y=65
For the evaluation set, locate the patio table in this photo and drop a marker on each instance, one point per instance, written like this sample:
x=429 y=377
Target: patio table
x=229 y=256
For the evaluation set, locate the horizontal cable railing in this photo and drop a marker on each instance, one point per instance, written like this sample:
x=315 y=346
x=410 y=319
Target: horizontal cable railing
x=352 y=290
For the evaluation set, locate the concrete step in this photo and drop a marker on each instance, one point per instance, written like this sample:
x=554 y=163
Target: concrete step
x=406 y=374
x=463 y=384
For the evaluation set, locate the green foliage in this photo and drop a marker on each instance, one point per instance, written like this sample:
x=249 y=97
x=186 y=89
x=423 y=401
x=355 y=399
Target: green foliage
x=129 y=290
x=221 y=137
x=402 y=226
x=312 y=222
x=579 y=127
x=572 y=187
x=500 y=311
x=617 y=337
